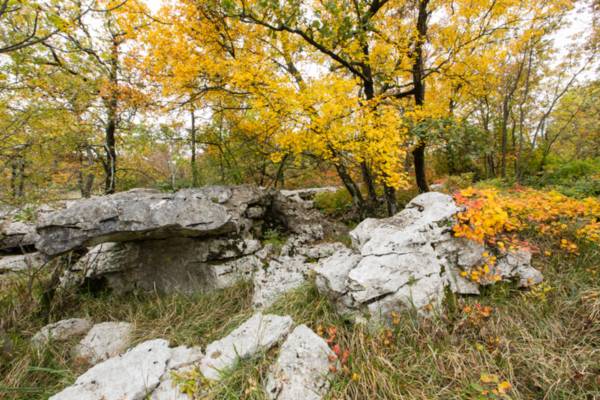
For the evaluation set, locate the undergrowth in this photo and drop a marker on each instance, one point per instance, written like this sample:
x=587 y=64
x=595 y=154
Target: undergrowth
x=506 y=343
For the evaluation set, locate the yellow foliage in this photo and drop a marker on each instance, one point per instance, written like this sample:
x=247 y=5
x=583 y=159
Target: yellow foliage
x=489 y=213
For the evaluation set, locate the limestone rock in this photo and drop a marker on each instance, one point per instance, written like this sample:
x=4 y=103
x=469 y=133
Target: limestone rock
x=257 y=334
x=61 y=331
x=315 y=252
x=103 y=341
x=407 y=261
x=21 y=263
x=150 y=214
x=298 y=216
x=15 y=236
x=518 y=264
x=332 y=272
x=131 y=376
x=183 y=265
x=168 y=389
x=302 y=368
x=280 y=276
x=182 y=361
x=307 y=194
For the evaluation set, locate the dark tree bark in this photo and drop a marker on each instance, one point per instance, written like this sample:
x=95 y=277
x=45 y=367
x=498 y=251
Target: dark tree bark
x=193 y=145
x=418 y=72
x=112 y=103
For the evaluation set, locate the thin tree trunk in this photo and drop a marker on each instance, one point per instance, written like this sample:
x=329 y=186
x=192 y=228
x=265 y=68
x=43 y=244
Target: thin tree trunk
x=111 y=127
x=193 y=145
x=369 y=183
x=419 y=160
x=418 y=72
x=390 y=199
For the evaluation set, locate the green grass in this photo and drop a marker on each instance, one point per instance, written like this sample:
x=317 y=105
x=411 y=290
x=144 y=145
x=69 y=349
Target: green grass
x=546 y=346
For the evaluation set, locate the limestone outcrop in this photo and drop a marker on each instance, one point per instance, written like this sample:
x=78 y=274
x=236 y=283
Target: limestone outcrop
x=407 y=261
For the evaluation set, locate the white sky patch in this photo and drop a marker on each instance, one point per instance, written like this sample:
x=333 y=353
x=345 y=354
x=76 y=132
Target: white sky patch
x=154 y=4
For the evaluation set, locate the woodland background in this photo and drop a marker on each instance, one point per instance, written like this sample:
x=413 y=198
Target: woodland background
x=379 y=96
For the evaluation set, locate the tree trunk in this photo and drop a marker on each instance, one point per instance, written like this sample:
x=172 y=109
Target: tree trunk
x=86 y=177
x=419 y=160
x=17 y=178
x=418 y=72
x=110 y=166
x=357 y=199
x=369 y=183
x=390 y=199
x=193 y=145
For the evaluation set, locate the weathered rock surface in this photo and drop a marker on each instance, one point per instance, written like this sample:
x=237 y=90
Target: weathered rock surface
x=408 y=260
x=21 y=263
x=194 y=240
x=61 y=331
x=168 y=388
x=302 y=368
x=16 y=236
x=288 y=271
x=131 y=376
x=150 y=214
x=307 y=194
x=182 y=361
x=280 y=276
x=184 y=265
x=297 y=214
x=257 y=334
x=518 y=264
x=103 y=341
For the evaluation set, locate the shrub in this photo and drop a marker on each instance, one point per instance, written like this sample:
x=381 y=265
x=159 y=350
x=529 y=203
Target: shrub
x=334 y=204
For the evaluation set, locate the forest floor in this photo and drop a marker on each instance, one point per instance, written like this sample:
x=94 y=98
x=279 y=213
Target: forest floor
x=506 y=343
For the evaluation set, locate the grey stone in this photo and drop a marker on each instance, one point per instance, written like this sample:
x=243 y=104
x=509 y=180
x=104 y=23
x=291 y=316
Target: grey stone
x=168 y=388
x=21 y=263
x=407 y=261
x=518 y=264
x=143 y=214
x=257 y=334
x=15 y=236
x=302 y=368
x=332 y=273
x=131 y=376
x=182 y=361
x=103 y=341
x=182 y=265
x=282 y=275
x=61 y=331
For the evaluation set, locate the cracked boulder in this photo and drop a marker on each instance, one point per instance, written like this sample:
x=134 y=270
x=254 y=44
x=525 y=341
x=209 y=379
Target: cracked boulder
x=288 y=272
x=257 y=334
x=133 y=375
x=407 y=262
x=143 y=214
x=103 y=341
x=302 y=369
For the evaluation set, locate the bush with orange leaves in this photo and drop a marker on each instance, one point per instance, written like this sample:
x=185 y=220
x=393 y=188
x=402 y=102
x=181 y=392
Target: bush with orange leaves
x=495 y=217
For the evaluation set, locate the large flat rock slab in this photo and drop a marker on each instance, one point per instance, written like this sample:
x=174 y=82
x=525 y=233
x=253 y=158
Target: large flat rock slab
x=150 y=214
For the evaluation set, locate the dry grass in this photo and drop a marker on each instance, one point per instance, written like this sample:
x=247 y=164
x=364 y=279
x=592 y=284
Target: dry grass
x=547 y=345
